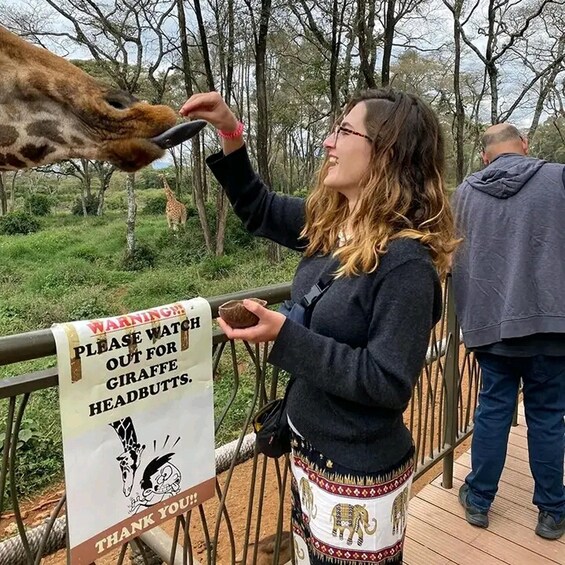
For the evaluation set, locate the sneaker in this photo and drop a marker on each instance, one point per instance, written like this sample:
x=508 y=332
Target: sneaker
x=548 y=527
x=473 y=515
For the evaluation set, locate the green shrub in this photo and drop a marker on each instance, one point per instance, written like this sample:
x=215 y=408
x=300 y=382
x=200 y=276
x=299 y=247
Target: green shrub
x=40 y=458
x=155 y=205
x=39 y=204
x=143 y=257
x=183 y=247
x=18 y=223
x=88 y=309
x=218 y=267
x=91 y=203
x=237 y=236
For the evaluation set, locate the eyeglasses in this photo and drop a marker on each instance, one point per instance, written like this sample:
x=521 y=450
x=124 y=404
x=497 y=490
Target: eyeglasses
x=347 y=131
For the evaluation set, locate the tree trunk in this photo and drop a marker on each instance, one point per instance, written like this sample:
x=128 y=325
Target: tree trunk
x=101 y=194
x=13 y=192
x=105 y=173
x=132 y=216
x=459 y=107
x=390 y=24
x=365 y=35
x=3 y=197
x=221 y=199
x=83 y=200
x=197 y=173
x=274 y=251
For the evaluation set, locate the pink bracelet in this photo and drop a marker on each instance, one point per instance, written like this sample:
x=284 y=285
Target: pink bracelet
x=232 y=134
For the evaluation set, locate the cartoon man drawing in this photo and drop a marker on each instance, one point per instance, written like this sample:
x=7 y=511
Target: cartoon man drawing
x=161 y=480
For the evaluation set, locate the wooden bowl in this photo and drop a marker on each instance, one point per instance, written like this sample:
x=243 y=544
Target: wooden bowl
x=236 y=315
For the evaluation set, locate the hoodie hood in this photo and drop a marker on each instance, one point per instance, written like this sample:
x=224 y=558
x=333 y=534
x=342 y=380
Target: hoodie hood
x=506 y=175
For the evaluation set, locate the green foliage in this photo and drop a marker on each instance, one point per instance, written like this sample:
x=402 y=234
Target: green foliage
x=71 y=270
x=16 y=223
x=88 y=309
x=143 y=257
x=38 y=204
x=237 y=237
x=155 y=205
x=549 y=141
x=91 y=204
x=218 y=267
x=182 y=247
x=39 y=447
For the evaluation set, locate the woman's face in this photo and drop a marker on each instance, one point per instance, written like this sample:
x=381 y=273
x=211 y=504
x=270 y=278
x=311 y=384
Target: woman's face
x=349 y=151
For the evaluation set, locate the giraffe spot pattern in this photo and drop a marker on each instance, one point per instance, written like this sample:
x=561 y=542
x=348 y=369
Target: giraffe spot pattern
x=36 y=153
x=48 y=129
x=77 y=141
x=14 y=160
x=8 y=135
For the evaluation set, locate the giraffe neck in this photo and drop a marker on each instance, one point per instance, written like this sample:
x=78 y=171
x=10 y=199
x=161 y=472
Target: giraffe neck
x=170 y=195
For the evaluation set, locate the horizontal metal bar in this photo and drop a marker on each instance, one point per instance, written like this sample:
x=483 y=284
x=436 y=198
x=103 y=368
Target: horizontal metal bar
x=40 y=343
x=30 y=382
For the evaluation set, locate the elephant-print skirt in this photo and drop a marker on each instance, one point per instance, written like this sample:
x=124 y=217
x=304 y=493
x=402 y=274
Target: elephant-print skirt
x=342 y=516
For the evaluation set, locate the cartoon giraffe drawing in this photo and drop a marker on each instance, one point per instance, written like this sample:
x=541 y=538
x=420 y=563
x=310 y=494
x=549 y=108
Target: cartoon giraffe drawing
x=50 y=110
x=130 y=458
x=175 y=210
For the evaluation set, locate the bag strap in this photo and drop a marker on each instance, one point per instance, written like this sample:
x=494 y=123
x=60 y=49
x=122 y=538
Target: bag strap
x=311 y=297
x=324 y=282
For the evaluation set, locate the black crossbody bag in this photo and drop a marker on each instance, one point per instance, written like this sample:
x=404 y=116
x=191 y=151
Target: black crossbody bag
x=270 y=423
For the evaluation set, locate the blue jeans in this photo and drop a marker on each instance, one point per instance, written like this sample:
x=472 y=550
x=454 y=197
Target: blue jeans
x=544 y=402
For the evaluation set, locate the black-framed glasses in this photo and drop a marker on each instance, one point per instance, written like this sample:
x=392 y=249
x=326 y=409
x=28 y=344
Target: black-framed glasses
x=337 y=129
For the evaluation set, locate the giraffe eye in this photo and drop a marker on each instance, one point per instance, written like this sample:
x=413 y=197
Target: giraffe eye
x=119 y=99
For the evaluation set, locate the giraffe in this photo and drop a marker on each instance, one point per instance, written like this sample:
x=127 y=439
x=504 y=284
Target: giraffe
x=175 y=210
x=129 y=459
x=50 y=110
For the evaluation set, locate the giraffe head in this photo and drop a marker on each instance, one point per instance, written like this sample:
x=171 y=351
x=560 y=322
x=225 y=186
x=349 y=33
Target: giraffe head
x=166 y=187
x=129 y=462
x=50 y=110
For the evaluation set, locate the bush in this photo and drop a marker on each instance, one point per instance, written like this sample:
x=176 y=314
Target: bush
x=91 y=206
x=39 y=204
x=181 y=247
x=155 y=205
x=88 y=309
x=218 y=267
x=143 y=257
x=18 y=223
x=237 y=236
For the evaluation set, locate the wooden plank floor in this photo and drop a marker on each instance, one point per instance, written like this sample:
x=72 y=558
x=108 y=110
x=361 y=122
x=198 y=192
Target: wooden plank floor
x=438 y=533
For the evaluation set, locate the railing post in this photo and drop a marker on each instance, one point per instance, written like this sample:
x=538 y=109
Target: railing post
x=452 y=381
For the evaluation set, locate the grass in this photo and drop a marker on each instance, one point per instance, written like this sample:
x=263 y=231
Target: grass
x=72 y=269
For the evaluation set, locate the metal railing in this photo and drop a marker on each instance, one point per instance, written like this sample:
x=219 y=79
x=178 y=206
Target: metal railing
x=251 y=501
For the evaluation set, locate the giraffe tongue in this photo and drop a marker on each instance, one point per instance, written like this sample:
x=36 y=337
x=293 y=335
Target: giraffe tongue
x=179 y=133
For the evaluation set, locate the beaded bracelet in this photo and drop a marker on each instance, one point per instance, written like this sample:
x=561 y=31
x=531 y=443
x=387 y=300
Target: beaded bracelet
x=232 y=134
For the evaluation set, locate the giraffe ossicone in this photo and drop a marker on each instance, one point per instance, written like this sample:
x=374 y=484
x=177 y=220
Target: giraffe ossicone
x=50 y=111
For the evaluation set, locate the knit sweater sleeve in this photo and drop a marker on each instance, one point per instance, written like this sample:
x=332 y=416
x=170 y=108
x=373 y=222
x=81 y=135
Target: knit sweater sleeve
x=383 y=373
x=263 y=212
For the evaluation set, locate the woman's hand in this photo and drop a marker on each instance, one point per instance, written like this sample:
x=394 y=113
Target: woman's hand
x=267 y=329
x=210 y=106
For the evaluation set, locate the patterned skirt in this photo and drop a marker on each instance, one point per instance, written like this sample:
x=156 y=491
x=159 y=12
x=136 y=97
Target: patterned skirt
x=341 y=516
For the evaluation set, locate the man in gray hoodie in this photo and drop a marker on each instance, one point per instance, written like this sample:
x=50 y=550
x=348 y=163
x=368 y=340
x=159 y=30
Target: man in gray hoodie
x=509 y=286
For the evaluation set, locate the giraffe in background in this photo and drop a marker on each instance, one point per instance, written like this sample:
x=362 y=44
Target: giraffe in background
x=175 y=210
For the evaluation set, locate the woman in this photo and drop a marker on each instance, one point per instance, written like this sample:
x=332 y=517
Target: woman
x=379 y=217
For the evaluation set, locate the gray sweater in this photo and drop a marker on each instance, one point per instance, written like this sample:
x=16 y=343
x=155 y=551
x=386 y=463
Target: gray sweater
x=509 y=272
x=357 y=364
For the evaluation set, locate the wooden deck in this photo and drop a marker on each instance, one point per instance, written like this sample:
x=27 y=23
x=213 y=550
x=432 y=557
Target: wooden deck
x=438 y=533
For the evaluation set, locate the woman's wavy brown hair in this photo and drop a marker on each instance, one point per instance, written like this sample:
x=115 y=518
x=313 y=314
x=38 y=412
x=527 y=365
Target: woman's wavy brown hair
x=403 y=193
